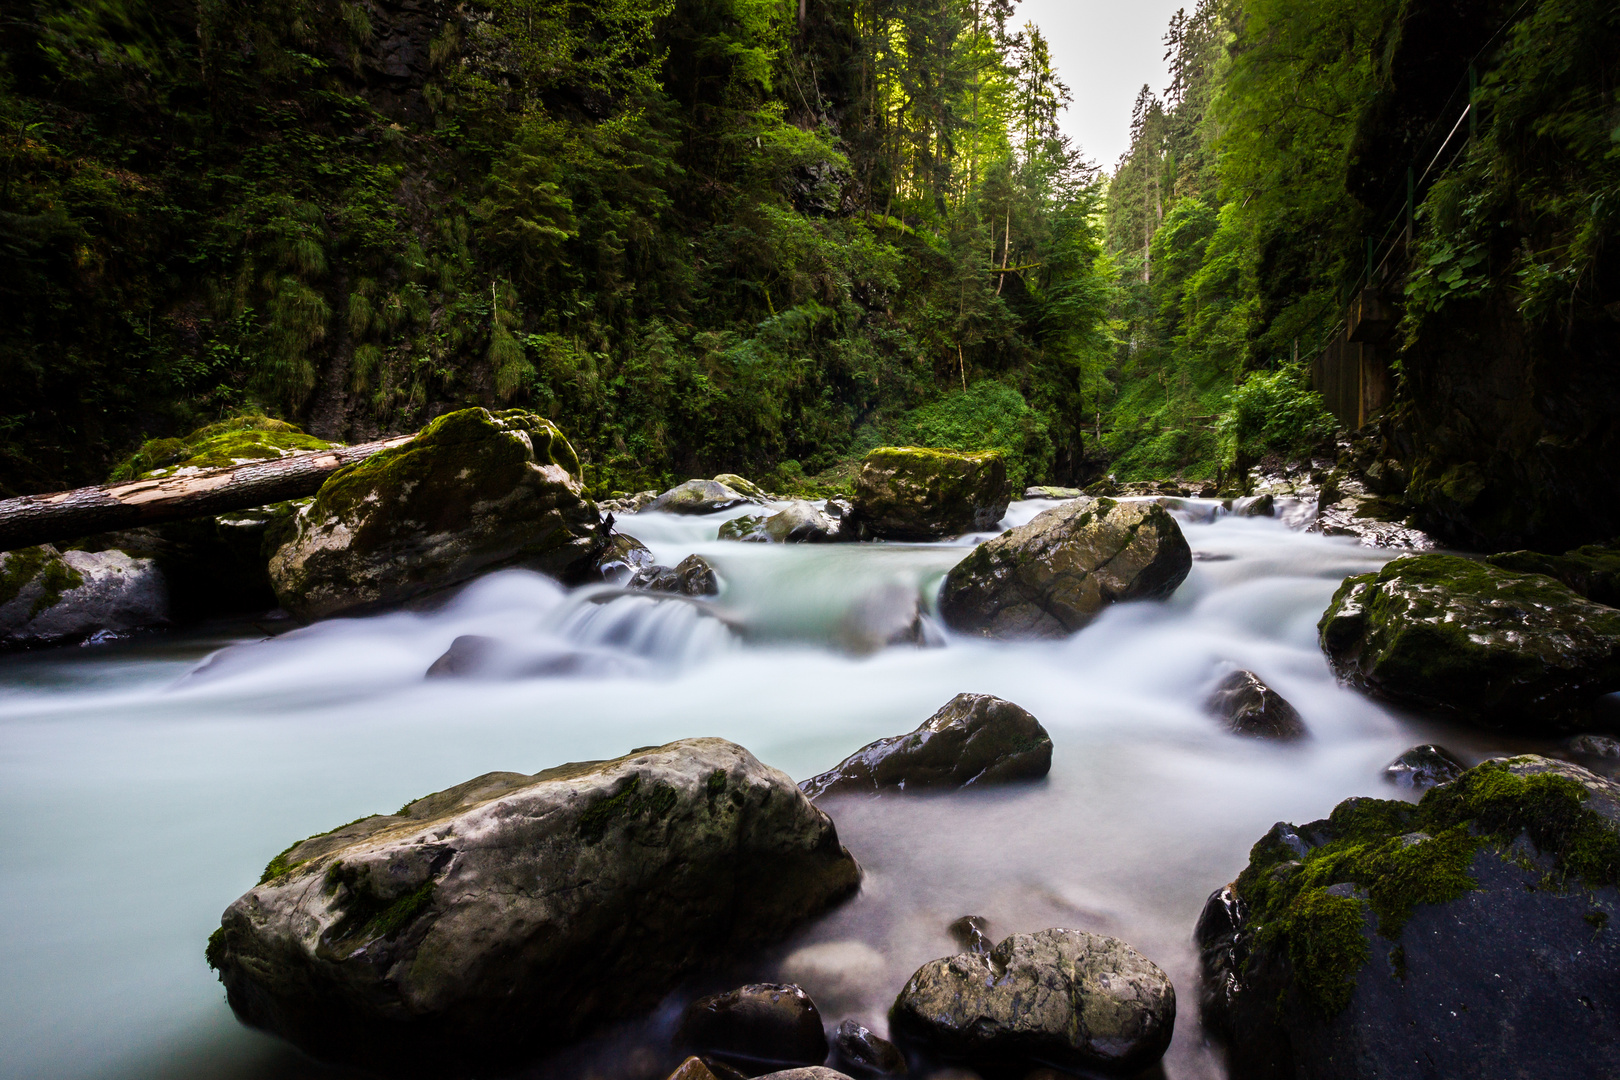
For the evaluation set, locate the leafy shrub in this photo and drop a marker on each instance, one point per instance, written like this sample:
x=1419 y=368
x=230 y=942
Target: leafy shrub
x=987 y=416
x=1273 y=412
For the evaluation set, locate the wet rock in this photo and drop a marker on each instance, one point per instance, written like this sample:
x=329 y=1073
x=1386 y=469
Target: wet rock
x=801 y=523
x=1491 y=646
x=475 y=491
x=692 y=576
x=1255 y=506
x=476 y=656
x=1050 y=577
x=861 y=1053
x=814 y=1072
x=1596 y=746
x=693 y=1068
x=698 y=497
x=1250 y=707
x=1410 y=934
x=972 y=933
x=884 y=616
x=749 y=529
x=1056 y=493
x=513 y=912
x=912 y=493
x=1593 y=571
x=973 y=740
x=51 y=597
x=1057 y=997
x=838 y=510
x=624 y=558
x=743 y=487
x=837 y=973
x=1424 y=767
x=624 y=505
x=762 y=1024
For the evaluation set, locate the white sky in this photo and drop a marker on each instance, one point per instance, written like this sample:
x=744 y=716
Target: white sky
x=1105 y=50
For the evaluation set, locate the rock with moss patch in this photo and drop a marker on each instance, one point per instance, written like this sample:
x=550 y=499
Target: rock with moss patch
x=236 y=441
x=1051 y=577
x=916 y=493
x=475 y=491
x=743 y=487
x=801 y=523
x=1471 y=932
x=973 y=740
x=745 y=528
x=1593 y=570
x=511 y=913
x=1491 y=646
x=50 y=597
x=1082 y=1002
x=698 y=497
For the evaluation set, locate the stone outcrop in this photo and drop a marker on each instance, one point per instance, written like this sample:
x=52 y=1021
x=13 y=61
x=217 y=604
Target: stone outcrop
x=1050 y=577
x=1423 y=767
x=913 y=493
x=511 y=913
x=475 y=491
x=973 y=740
x=1249 y=707
x=1490 y=646
x=1472 y=933
x=50 y=597
x=1077 y=1001
x=698 y=497
x=1593 y=570
x=757 y=1027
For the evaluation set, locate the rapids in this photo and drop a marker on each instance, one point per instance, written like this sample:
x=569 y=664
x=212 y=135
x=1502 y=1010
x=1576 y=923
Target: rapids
x=144 y=784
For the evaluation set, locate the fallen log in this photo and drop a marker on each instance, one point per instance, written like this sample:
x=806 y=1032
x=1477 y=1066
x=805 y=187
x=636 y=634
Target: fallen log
x=68 y=515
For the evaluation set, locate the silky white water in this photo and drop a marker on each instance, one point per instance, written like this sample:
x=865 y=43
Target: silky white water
x=144 y=785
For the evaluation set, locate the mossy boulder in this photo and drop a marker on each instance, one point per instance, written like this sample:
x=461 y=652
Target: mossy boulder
x=50 y=597
x=915 y=493
x=743 y=487
x=475 y=491
x=1491 y=646
x=236 y=441
x=699 y=497
x=500 y=918
x=1472 y=932
x=1593 y=570
x=1051 y=577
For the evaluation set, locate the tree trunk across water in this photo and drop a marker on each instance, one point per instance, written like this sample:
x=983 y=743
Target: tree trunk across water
x=67 y=515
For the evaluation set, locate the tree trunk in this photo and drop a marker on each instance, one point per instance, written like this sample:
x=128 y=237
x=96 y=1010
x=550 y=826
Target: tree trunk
x=68 y=515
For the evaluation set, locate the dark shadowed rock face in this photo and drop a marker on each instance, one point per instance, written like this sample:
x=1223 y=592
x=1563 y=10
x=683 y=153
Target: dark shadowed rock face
x=974 y=739
x=757 y=1027
x=692 y=576
x=49 y=597
x=624 y=557
x=1493 y=647
x=509 y=914
x=1051 y=577
x=1067 y=998
x=1472 y=932
x=1250 y=707
x=1593 y=570
x=865 y=1055
x=915 y=493
x=1424 y=767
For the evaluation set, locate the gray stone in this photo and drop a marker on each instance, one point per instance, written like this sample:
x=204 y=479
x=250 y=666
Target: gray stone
x=698 y=497
x=624 y=558
x=510 y=913
x=801 y=523
x=1050 y=577
x=51 y=597
x=973 y=740
x=1067 y=998
x=1250 y=707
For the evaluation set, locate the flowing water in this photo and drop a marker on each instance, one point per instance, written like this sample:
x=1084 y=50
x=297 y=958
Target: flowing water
x=143 y=785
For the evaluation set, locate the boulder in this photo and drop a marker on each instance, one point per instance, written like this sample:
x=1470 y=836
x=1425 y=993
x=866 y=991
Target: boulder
x=237 y=441
x=692 y=576
x=743 y=487
x=473 y=492
x=1423 y=767
x=756 y=1027
x=1059 y=494
x=1250 y=707
x=1494 y=647
x=50 y=597
x=973 y=740
x=1050 y=577
x=1079 y=1001
x=912 y=493
x=1471 y=933
x=698 y=497
x=800 y=523
x=861 y=1053
x=511 y=913
x=623 y=559
x=748 y=528
x=1593 y=571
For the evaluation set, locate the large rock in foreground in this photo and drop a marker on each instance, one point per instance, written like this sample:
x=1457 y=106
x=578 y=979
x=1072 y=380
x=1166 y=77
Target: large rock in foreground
x=49 y=597
x=1065 y=998
x=1050 y=577
x=1470 y=935
x=974 y=739
x=1494 y=647
x=508 y=914
x=475 y=491
x=913 y=493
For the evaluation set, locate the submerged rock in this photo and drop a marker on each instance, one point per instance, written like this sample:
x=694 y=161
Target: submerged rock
x=1250 y=707
x=1424 y=767
x=624 y=558
x=475 y=491
x=1050 y=577
x=476 y=656
x=510 y=913
x=883 y=616
x=1472 y=932
x=973 y=740
x=692 y=576
x=1494 y=647
x=913 y=493
x=1593 y=571
x=754 y=1026
x=50 y=597
x=699 y=497
x=860 y=1052
x=1067 y=998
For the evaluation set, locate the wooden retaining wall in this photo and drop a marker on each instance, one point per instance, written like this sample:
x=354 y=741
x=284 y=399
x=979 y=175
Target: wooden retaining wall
x=1352 y=373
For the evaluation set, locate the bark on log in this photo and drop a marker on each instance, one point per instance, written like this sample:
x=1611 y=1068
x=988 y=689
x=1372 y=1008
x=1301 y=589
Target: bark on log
x=68 y=515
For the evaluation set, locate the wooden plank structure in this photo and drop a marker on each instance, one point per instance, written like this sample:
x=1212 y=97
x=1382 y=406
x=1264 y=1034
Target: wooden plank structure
x=1352 y=373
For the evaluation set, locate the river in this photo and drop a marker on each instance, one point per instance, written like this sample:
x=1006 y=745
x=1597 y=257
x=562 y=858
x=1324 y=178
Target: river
x=144 y=784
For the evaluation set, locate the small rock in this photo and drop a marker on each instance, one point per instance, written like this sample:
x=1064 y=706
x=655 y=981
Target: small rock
x=1055 y=493
x=1252 y=708
x=749 y=529
x=1598 y=746
x=801 y=523
x=838 y=509
x=914 y=493
x=698 y=497
x=759 y=1024
x=861 y=1053
x=49 y=597
x=477 y=656
x=972 y=933
x=743 y=487
x=1067 y=998
x=624 y=558
x=1424 y=767
x=692 y=1069
x=973 y=740
x=692 y=576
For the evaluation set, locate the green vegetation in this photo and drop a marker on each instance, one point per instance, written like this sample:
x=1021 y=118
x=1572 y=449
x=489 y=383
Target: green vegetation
x=628 y=802
x=229 y=442
x=18 y=568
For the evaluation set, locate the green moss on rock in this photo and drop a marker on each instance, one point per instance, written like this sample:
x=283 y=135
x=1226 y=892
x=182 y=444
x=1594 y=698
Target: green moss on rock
x=626 y=803
x=918 y=493
x=1593 y=570
x=229 y=442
